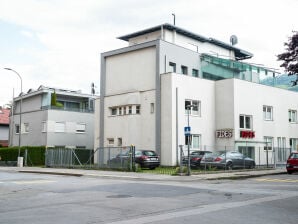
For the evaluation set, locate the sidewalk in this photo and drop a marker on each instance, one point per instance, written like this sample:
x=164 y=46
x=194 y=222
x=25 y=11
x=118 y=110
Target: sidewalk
x=145 y=176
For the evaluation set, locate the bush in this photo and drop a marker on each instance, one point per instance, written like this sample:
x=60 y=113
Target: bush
x=35 y=156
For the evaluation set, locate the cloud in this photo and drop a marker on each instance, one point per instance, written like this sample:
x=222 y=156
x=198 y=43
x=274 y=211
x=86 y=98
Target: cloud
x=64 y=39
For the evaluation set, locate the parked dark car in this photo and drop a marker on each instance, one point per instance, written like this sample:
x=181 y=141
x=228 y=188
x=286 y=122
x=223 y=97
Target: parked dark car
x=292 y=163
x=228 y=160
x=145 y=158
x=195 y=158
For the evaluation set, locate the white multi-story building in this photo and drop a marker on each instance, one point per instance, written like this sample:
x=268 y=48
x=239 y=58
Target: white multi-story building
x=147 y=87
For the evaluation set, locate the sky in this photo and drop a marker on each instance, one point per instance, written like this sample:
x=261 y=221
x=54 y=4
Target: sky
x=58 y=43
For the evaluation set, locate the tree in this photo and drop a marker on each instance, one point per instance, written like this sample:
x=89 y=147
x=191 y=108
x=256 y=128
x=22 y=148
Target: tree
x=290 y=57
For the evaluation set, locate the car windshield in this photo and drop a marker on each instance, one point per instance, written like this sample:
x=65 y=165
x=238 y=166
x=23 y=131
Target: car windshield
x=149 y=153
x=294 y=156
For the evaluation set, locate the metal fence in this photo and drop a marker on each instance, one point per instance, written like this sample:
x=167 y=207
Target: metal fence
x=264 y=157
x=121 y=158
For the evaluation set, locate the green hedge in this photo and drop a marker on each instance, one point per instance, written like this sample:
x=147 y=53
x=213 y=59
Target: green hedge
x=35 y=156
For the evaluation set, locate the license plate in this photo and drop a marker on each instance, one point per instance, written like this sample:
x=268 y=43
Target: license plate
x=295 y=166
x=153 y=159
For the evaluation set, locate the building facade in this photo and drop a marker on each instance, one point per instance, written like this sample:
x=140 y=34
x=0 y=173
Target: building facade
x=66 y=123
x=4 y=126
x=147 y=89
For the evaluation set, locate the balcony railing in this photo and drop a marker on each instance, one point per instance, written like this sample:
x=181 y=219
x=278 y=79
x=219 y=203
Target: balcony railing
x=81 y=110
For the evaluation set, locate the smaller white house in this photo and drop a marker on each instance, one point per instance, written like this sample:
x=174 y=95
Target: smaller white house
x=66 y=123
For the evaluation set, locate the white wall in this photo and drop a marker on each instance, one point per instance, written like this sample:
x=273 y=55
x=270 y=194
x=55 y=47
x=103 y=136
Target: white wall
x=204 y=125
x=131 y=71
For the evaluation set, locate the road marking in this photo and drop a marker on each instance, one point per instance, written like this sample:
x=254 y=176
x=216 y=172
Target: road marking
x=33 y=182
x=277 y=180
x=201 y=210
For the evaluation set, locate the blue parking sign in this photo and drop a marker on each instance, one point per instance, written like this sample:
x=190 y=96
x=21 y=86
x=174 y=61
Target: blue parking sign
x=187 y=131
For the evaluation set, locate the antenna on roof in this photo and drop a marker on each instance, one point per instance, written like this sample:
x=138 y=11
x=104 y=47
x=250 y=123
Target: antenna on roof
x=173 y=14
x=233 y=39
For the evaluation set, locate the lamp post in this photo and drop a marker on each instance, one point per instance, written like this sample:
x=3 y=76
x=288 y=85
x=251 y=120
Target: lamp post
x=20 y=159
x=188 y=107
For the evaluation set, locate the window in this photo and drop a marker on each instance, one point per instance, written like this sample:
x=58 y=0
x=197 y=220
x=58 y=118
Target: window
x=44 y=126
x=245 y=121
x=26 y=127
x=195 y=73
x=193 y=107
x=138 y=109
x=59 y=127
x=110 y=141
x=81 y=128
x=129 y=109
x=267 y=113
x=294 y=144
x=124 y=110
x=17 y=129
x=114 y=111
x=120 y=110
x=268 y=143
x=172 y=67
x=151 y=108
x=194 y=141
x=293 y=116
x=184 y=70
x=119 y=141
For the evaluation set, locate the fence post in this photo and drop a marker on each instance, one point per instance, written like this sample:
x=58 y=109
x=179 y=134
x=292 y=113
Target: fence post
x=181 y=155
x=26 y=156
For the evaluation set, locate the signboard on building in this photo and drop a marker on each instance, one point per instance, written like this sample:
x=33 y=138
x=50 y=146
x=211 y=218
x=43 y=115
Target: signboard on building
x=224 y=133
x=247 y=134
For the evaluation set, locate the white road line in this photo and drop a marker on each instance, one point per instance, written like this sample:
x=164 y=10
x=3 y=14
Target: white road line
x=33 y=182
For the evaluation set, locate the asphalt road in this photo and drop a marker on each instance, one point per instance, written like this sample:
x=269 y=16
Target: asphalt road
x=40 y=198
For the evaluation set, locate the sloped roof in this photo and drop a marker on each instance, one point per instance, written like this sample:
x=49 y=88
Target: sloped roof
x=4 y=116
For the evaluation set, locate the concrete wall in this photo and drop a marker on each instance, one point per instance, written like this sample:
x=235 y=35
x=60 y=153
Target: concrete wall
x=70 y=138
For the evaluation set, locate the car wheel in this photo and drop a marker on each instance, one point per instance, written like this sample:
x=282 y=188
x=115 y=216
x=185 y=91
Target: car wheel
x=252 y=165
x=229 y=166
x=289 y=171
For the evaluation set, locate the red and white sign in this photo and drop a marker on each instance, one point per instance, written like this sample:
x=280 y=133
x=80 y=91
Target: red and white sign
x=247 y=134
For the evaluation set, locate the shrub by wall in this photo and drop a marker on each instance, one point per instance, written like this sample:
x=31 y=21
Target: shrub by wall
x=35 y=156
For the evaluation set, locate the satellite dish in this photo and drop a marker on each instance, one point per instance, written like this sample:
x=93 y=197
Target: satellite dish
x=233 y=39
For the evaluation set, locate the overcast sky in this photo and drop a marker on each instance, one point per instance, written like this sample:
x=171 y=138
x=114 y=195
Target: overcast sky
x=58 y=43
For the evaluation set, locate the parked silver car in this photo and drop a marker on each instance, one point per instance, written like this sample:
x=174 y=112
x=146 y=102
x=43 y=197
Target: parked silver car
x=228 y=160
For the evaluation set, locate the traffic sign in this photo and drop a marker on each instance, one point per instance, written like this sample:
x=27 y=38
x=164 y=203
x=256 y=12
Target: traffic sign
x=187 y=130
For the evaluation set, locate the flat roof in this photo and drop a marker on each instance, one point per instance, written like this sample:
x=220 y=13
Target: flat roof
x=239 y=53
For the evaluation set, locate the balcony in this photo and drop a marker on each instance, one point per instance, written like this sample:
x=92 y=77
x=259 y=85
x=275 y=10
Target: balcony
x=80 y=110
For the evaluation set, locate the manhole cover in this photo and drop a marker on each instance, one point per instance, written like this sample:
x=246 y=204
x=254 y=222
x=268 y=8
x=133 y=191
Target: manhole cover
x=119 y=196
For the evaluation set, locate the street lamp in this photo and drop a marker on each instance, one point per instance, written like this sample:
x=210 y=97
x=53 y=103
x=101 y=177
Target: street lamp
x=20 y=159
x=188 y=107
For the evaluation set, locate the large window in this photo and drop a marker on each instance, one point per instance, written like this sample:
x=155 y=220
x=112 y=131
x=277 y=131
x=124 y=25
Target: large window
x=172 y=67
x=267 y=113
x=268 y=143
x=194 y=141
x=293 y=116
x=184 y=70
x=59 y=127
x=193 y=107
x=195 y=73
x=245 y=121
x=294 y=144
x=17 y=129
x=26 y=127
x=81 y=128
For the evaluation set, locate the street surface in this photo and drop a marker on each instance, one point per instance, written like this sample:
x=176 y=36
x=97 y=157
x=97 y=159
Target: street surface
x=42 y=198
